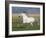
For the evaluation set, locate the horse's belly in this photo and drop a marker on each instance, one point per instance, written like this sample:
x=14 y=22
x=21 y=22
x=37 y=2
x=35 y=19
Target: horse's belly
x=26 y=21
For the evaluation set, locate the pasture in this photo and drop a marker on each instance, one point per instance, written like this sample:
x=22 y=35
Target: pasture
x=18 y=25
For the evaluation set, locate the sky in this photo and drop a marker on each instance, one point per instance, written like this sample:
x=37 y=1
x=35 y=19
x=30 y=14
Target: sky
x=26 y=10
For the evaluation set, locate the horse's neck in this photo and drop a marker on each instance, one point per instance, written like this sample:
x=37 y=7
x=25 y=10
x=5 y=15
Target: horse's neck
x=24 y=15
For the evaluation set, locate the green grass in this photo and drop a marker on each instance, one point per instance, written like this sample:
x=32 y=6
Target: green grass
x=18 y=25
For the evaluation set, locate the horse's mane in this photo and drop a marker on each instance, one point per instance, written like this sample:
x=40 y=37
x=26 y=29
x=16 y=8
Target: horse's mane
x=23 y=14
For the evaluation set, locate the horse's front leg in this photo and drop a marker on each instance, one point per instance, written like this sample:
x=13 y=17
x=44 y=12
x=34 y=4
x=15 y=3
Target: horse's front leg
x=31 y=24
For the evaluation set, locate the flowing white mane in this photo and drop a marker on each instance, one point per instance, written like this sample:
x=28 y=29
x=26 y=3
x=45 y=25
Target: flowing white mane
x=24 y=15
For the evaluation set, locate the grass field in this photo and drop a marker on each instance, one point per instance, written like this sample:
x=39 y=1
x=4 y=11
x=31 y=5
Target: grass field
x=18 y=25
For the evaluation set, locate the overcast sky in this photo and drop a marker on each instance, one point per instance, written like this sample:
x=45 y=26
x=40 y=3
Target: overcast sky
x=25 y=10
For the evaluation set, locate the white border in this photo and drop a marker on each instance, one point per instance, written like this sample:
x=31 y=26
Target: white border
x=25 y=32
